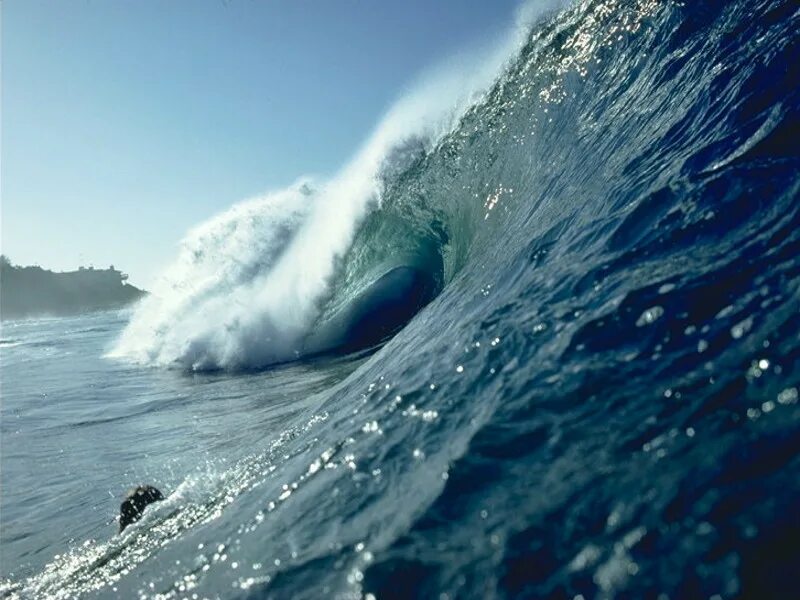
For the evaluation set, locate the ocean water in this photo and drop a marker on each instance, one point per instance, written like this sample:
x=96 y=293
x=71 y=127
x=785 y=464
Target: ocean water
x=601 y=400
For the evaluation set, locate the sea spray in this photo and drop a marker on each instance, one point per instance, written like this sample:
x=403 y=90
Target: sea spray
x=219 y=267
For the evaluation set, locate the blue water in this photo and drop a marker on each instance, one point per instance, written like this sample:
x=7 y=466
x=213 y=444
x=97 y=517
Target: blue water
x=602 y=400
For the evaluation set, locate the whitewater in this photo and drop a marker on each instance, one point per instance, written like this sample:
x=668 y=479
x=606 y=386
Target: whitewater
x=594 y=395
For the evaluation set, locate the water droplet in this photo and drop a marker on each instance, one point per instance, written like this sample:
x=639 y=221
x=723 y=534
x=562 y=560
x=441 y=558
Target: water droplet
x=649 y=316
x=788 y=396
x=741 y=328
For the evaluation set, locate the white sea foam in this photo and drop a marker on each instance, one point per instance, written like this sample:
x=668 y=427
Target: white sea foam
x=247 y=285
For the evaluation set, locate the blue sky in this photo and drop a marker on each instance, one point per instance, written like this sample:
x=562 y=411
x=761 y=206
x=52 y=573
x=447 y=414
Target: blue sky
x=125 y=123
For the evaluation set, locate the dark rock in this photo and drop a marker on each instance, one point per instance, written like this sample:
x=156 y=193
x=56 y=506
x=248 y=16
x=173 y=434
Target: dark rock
x=136 y=500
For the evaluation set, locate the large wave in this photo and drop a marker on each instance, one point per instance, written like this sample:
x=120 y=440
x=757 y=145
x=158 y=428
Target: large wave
x=607 y=382
x=249 y=285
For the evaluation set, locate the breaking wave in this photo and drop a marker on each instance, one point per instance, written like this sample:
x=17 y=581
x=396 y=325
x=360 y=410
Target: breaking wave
x=251 y=286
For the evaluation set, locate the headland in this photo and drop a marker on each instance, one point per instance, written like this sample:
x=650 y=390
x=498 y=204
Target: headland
x=34 y=291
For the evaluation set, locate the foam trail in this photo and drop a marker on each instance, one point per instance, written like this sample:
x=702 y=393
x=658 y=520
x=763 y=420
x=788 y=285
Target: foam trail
x=248 y=284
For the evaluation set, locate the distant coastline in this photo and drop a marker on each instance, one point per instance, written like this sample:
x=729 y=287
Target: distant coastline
x=34 y=291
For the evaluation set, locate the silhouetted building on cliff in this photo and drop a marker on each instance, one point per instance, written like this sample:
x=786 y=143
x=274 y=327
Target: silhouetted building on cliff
x=31 y=291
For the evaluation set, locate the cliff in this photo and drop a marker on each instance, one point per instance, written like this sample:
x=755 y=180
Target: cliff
x=33 y=291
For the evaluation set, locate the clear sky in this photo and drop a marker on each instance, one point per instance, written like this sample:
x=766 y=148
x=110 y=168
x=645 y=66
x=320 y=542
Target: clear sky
x=126 y=122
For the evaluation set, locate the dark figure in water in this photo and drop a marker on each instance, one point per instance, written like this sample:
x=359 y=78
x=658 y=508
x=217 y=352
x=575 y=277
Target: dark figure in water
x=136 y=500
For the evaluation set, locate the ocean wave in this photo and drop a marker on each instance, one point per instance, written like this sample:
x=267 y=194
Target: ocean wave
x=601 y=401
x=251 y=284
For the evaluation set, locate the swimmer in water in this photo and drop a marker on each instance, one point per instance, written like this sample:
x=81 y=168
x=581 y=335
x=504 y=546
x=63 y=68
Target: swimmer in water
x=136 y=500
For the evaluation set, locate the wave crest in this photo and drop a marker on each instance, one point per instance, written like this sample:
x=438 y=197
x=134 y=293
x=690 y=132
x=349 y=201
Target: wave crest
x=248 y=285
